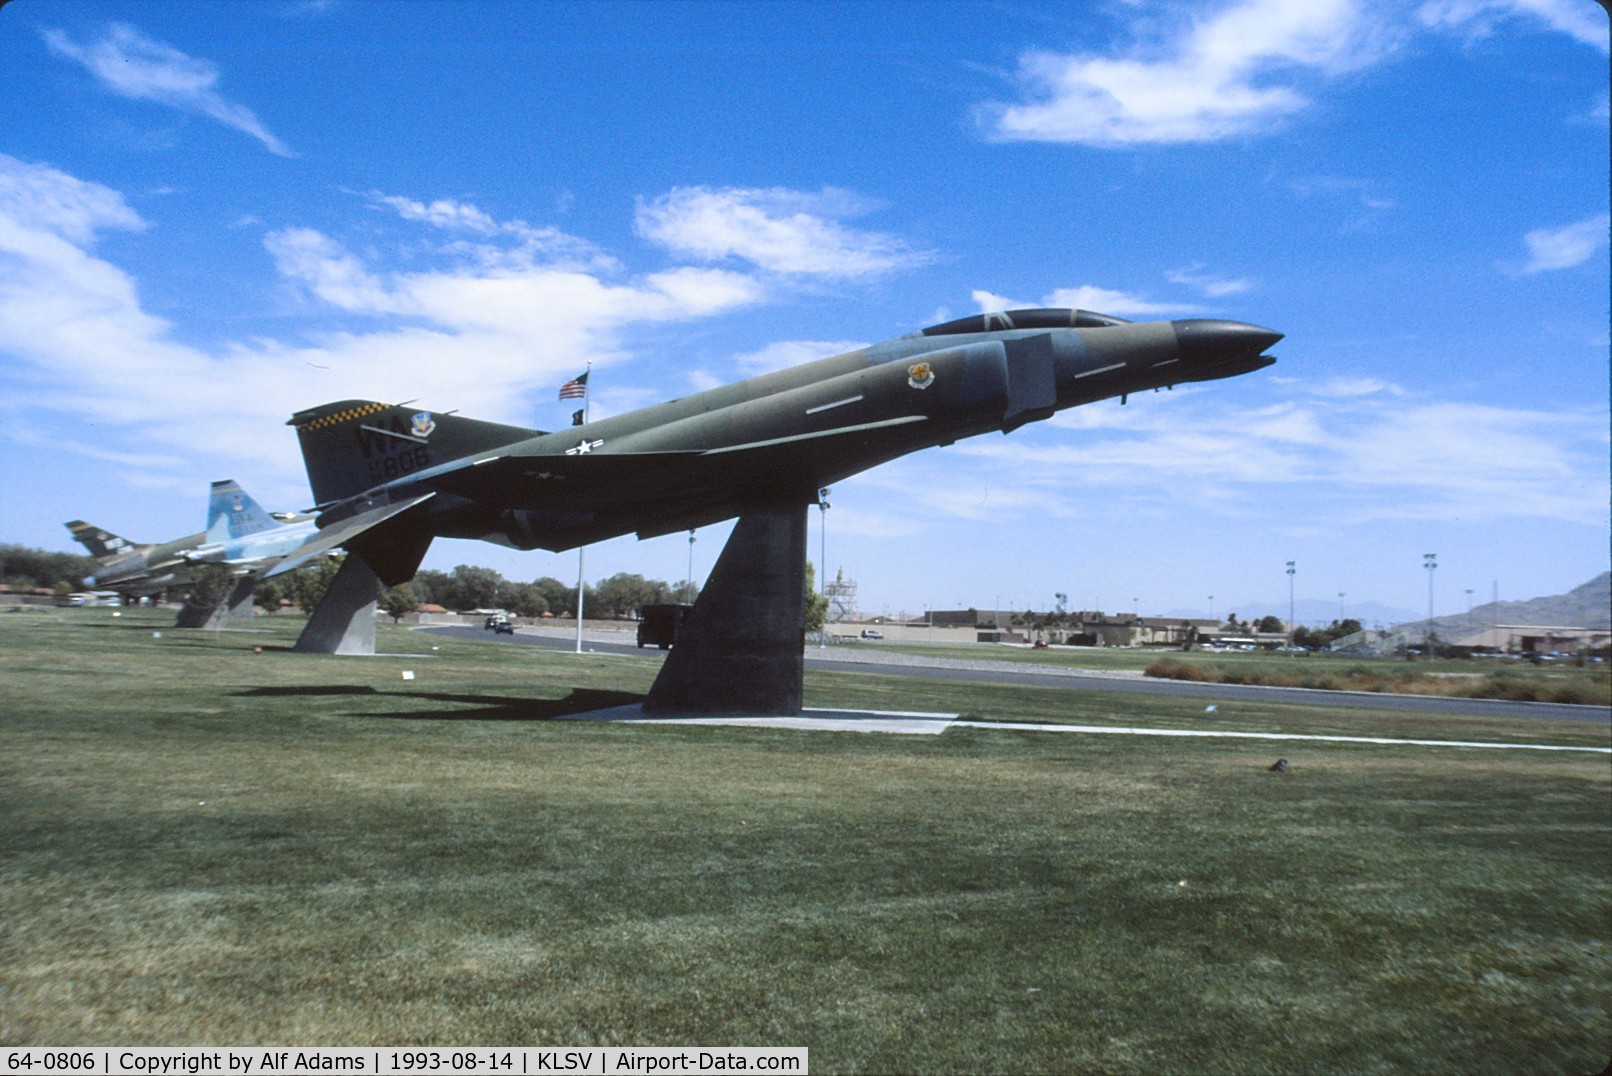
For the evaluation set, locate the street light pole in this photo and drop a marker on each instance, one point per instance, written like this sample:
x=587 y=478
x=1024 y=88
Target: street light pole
x=688 y=588
x=1430 y=562
x=1292 y=569
x=582 y=578
x=822 y=531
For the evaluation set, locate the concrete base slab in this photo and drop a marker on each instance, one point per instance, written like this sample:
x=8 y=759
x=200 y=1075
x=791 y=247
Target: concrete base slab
x=898 y=722
x=911 y=723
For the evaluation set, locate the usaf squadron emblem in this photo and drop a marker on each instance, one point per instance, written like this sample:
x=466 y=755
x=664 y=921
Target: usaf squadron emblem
x=920 y=375
x=422 y=424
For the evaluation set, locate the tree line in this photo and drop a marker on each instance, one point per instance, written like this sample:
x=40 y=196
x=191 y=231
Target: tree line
x=40 y=569
x=619 y=596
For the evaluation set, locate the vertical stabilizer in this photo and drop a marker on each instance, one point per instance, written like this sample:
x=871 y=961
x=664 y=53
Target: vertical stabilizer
x=355 y=445
x=233 y=514
x=102 y=545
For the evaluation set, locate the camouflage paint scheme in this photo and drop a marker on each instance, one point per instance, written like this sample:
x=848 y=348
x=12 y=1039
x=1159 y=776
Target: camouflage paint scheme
x=390 y=478
x=239 y=533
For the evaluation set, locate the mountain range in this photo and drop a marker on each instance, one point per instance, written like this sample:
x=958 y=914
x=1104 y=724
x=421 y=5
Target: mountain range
x=1586 y=606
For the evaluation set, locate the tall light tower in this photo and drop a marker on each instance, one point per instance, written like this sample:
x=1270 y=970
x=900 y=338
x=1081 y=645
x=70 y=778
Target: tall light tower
x=688 y=590
x=1430 y=562
x=1341 y=616
x=822 y=579
x=1292 y=569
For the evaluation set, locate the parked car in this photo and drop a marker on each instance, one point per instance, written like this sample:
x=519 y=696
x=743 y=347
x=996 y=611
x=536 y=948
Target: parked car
x=869 y=633
x=503 y=627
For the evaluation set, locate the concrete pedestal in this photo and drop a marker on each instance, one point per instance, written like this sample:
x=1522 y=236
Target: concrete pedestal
x=344 y=623
x=740 y=649
x=237 y=606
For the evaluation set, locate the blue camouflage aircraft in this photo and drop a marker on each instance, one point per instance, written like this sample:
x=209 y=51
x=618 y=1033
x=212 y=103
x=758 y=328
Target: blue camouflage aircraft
x=239 y=534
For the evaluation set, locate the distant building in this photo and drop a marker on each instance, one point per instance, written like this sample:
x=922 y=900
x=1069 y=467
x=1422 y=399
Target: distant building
x=1504 y=639
x=1087 y=627
x=1536 y=639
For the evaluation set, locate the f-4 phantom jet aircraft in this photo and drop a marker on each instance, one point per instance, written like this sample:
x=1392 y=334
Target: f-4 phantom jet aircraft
x=389 y=478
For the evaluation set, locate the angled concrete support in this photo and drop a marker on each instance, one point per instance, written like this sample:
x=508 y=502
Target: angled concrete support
x=192 y=615
x=740 y=649
x=236 y=606
x=344 y=623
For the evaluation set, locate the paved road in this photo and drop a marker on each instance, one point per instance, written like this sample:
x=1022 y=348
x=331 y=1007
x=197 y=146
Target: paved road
x=870 y=660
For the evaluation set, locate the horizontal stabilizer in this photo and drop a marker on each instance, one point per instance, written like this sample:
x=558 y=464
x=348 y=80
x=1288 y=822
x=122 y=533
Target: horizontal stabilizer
x=339 y=534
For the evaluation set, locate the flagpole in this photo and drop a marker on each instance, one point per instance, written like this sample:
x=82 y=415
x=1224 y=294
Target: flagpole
x=587 y=402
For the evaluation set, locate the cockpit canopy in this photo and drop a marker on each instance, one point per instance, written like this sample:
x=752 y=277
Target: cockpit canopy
x=1049 y=318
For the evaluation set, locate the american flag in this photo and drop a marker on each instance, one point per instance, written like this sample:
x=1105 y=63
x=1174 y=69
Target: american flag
x=575 y=389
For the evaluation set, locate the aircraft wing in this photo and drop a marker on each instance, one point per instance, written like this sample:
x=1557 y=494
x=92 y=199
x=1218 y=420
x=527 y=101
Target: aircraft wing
x=538 y=481
x=578 y=478
x=339 y=534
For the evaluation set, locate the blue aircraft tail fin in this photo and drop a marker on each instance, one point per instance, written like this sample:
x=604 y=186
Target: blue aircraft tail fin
x=354 y=445
x=233 y=514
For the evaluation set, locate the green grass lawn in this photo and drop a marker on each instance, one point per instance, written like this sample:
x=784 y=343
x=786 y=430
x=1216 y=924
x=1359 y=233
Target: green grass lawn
x=202 y=844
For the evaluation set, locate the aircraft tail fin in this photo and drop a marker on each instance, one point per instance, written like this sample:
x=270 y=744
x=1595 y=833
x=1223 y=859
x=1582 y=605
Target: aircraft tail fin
x=101 y=544
x=232 y=513
x=354 y=445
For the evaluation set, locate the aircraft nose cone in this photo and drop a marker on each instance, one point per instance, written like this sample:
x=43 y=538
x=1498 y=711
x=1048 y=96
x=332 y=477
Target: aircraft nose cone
x=1210 y=341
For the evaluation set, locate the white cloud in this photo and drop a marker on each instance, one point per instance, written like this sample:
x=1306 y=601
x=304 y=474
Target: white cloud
x=133 y=65
x=1479 y=18
x=1209 y=284
x=1086 y=297
x=782 y=231
x=443 y=213
x=1355 y=459
x=1344 y=387
x=1345 y=189
x=507 y=243
x=1233 y=73
x=454 y=335
x=334 y=275
x=1119 y=303
x=786 y=353
x=55 y=203
x=1563 y=248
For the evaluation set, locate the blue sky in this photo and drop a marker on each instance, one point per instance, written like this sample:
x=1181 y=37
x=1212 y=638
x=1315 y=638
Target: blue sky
x=215 y=214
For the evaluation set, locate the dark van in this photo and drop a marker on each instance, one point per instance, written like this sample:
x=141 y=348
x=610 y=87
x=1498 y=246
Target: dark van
x=660 y=624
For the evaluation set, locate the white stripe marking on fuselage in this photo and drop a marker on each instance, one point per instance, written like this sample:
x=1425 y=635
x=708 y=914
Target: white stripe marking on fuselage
x=1101 y=370
x=836 y=403
x=821 y=433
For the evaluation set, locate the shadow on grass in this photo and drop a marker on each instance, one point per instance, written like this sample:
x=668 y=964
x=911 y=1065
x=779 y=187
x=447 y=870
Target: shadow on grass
x=471 y=707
